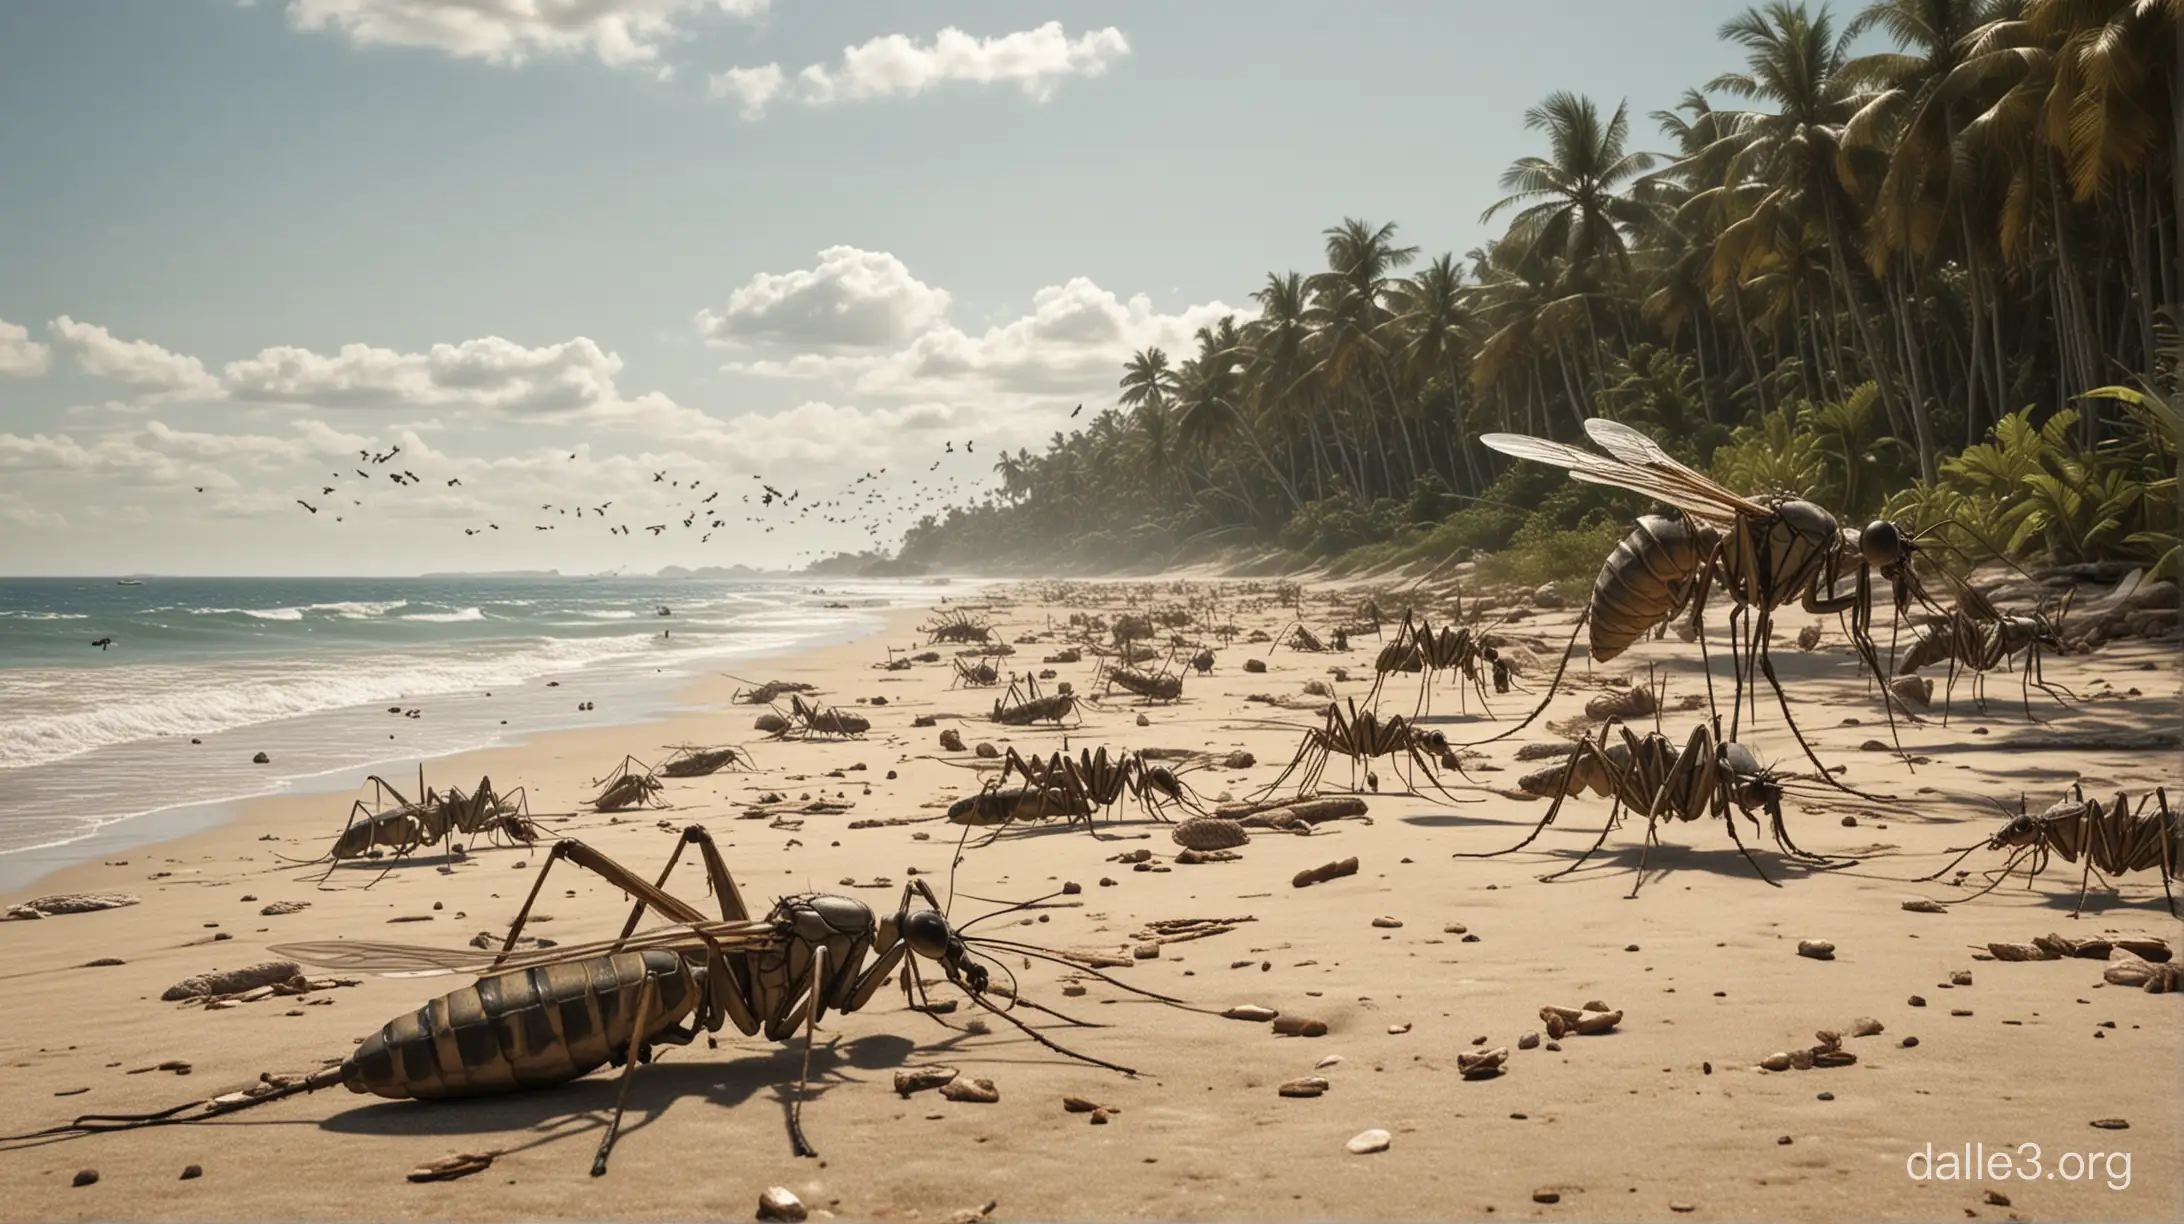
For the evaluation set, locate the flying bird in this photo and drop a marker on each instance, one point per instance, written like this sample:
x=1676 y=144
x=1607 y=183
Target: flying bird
x=103 y=643
x=307 y=505
x=1074 y=411
x=453 y=481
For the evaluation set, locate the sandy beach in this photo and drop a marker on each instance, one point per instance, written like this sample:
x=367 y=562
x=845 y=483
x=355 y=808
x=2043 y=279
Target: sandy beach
x=1416 y=959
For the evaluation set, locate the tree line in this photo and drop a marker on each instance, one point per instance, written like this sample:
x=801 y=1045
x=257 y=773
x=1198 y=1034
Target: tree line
x=1893 y=252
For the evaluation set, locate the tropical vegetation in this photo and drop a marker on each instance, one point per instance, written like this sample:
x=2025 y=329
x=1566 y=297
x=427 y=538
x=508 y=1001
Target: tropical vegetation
x=1939 y=276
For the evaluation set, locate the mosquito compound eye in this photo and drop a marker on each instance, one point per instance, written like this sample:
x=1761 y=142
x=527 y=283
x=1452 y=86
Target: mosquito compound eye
x=927 y=934
x=1881 y=543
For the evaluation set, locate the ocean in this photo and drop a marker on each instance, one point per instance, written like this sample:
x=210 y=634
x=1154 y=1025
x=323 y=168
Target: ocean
x=203 y=673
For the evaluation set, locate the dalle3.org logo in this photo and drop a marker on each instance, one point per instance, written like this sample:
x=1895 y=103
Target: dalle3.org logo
x=1975 y=1162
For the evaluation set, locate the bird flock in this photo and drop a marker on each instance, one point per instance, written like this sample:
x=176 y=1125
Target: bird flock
x=867 y=503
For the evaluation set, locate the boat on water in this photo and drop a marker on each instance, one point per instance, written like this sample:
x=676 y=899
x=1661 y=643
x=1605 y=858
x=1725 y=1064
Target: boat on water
x=130 y=582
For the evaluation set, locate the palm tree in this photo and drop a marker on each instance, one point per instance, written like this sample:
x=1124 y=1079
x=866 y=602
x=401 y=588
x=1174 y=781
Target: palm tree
x=1789 y=155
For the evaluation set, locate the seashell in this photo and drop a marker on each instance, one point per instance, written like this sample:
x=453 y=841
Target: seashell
x=1777 y=1061
x=1210 y=833
x=1251 y=1011
x=1865 y=1026
x=1833 y=1058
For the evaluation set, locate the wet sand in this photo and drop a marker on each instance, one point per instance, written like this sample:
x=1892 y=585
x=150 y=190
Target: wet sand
x=1668 y=1116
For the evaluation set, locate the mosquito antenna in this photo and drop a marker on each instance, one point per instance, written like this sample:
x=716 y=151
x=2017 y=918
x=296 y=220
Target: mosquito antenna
x=1009 y=909
x=1038 y=953
x=953 y=863
x=1035 y=1035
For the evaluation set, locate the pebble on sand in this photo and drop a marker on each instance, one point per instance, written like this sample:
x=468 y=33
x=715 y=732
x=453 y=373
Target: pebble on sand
x=1817 y=949
x=779 y=1203
x=1365 y=1143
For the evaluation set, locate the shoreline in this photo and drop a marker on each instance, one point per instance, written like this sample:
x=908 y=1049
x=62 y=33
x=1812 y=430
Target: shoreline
x=38 y=870
x=1421 y=955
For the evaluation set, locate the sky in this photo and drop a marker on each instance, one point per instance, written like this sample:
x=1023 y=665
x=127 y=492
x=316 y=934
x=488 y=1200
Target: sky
x=553 y=249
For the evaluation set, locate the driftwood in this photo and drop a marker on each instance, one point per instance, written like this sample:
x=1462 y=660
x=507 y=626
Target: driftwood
x=68 y=903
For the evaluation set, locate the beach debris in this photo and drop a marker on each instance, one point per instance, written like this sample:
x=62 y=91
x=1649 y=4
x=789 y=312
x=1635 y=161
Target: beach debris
x=1365 y=1143
x=2101 y=1123
x=1912 y=692
x=630 y=784
x=1925 y=905
x=973 y=1092
x=1299 y=1026
x=1251 y=1011
x=691 y=761
x=957 y=626
x=1307 y=1087
x=233 y=981
x=972 y=1215
x=89 y=1177
x=780 y=1203
x=1637 y=701
x=192 y=1172
x=1817 y=949
x=277 y=908
x=1210 y=833
x=448 y=1168
x=261 y=759
x=68 y=903
x=1387 y=923
x=2154 y=978
x=1808 y=638
x=1483 y=1064
x=771 y=691
x=919 y=1079
x=1325 y=872
x=951 y=740
x=770 y=723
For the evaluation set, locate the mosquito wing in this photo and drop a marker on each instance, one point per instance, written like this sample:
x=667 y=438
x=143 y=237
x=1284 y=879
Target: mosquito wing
x=363 y=956
x=1637 y=449
x=1703 y=499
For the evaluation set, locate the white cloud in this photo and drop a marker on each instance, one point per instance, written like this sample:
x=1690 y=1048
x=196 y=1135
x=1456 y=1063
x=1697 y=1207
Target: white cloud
x=19 y=354
x=490 y=373
x=621 y=33
x=893 y=65
x=139 y=363
x=756 y=88
x=852 y=298
x=1073 y=342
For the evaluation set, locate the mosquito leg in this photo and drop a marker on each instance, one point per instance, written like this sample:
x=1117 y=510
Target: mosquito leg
x=797 y=1141
x=630 y=1059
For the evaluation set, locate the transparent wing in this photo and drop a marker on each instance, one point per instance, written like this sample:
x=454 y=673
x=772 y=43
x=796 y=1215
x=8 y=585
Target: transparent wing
x=362 y=956
x=1702 y=498
x=1637 y=449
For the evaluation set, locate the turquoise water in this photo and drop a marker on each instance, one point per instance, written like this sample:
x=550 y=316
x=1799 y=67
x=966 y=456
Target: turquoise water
x=305 y=669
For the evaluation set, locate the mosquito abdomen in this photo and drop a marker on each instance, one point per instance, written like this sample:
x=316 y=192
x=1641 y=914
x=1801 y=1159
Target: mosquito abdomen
x=522 y=1029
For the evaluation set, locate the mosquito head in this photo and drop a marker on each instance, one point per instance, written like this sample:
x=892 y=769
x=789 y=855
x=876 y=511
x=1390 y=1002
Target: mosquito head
x=929 y=935
x=1885 y=546
x=1162 y=779
x=1752 y=785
